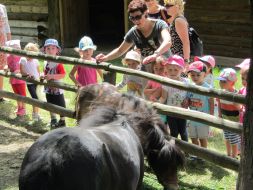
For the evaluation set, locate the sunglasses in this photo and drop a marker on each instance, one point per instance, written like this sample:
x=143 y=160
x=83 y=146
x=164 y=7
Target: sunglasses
x=167 y=6
x=137 y=17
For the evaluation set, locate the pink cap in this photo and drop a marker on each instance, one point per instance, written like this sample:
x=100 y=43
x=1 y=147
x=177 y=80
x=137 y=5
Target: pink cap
x=197 y=66
x=175 y=60
x=228 y=74
x=206 y=59
x=244 y=65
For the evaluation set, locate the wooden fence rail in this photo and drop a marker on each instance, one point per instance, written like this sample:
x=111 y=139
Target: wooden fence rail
x=161 y=108
x=109 y=67
x=217 y=158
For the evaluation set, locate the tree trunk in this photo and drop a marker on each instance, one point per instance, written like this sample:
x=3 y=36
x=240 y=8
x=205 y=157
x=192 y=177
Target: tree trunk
x=245 y=178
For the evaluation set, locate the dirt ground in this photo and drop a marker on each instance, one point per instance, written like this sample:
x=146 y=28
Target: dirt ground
x=16 y=136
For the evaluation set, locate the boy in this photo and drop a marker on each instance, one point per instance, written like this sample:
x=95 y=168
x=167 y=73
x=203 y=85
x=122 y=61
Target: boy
x=229 y=110
x=198 y=132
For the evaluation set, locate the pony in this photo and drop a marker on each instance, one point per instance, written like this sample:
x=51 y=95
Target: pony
x=106 y=151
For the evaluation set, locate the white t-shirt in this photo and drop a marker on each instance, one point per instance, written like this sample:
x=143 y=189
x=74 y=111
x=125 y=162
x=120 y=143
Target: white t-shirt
x=176 y=96
x=30 y=67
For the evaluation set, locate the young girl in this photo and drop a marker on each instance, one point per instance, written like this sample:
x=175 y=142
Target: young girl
x=210 y=64
x=174 y=66
x=30 y=68
x=55 y=72
x=199 y=132
x=18 y=86
x=85 y=75
x=229 y=110
x=153 y=89
x=134 y=84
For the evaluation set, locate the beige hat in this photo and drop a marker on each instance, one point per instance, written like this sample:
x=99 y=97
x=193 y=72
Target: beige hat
x=13 y=44
x=132 y=55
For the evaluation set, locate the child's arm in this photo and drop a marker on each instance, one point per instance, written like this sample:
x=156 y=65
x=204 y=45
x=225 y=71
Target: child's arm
x=163 y=96
x=60 y=74
x=72 y=76
x=211 y=106
x=122 y=83
x=219 y=107
x=100 y=73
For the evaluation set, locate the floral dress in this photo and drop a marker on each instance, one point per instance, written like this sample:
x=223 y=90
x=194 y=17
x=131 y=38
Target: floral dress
x=3 y=39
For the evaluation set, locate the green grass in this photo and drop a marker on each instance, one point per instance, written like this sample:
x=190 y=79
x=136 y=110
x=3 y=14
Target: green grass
x=199 y=176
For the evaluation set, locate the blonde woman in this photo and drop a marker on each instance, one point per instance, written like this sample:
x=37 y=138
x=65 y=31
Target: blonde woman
x=30 y=68
x=179 y=29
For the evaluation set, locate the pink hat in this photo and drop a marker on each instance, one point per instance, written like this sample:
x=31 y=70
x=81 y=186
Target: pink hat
x=206 y=59
x=197 y=66
x=228 y=74
x=175 y=60
x=244 y=65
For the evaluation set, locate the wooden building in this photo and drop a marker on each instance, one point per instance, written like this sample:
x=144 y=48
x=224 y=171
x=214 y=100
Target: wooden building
x=224 y=25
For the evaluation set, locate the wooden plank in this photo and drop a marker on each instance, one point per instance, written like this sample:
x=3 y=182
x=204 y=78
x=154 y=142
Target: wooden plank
x=223 y=29
x=25 y=2
x=226 y=5
x=241 y=42
x=32 y=32
x=26 y=9
x=28 y=16
x=25 y=39
x=210 y=16
x=227 y=61
x=26 y=24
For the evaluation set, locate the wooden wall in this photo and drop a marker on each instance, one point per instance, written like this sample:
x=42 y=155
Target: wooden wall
x=24 y=18
x=224 y=26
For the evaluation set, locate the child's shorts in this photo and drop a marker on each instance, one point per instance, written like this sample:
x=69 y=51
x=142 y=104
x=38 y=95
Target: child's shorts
x=201 y=132
x=233 y=138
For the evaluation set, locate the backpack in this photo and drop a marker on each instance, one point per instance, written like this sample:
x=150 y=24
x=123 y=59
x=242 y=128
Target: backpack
x=196 y=44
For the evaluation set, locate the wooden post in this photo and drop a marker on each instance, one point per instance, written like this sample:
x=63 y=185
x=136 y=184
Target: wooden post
x=54 y=19
x=245 y=179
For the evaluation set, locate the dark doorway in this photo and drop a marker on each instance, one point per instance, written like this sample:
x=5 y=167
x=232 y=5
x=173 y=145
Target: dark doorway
x=106 y=21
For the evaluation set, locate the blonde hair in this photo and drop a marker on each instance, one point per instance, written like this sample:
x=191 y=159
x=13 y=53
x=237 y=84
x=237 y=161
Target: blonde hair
x=32 y=47
x=179 y=3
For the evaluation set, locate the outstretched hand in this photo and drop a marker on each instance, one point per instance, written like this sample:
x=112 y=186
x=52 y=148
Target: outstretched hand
x=100 y=58
x=149 y=59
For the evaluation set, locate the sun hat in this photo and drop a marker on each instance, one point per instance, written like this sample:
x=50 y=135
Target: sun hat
x=51 y=42
x=206 y=59
x=13 y=44
x=175 y=60
x=197 y=66
x=228 y=74
x=132 y=55
x=86 y=43
x=244 y=64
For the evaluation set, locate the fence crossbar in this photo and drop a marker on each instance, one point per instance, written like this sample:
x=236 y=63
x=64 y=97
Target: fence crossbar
x=109 y=67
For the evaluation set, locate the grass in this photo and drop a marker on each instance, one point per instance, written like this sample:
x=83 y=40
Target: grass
x=199 y=176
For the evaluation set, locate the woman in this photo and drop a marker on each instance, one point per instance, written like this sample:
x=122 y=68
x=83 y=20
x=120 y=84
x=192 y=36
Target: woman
x=157 y=11
x=150 y=36
x=179 y=29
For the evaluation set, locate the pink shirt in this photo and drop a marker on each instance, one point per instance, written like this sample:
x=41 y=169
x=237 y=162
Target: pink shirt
x=13 y=65
x=86 y=75
x=242 y=91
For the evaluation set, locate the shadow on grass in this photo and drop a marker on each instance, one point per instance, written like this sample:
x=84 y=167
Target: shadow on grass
x=202 y=168
x=8 y=115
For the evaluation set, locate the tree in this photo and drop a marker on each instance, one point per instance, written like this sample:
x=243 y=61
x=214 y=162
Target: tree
x=245 y=178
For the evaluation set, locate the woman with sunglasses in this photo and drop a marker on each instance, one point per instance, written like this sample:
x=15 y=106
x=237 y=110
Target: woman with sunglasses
x=179 y=29
x=150 y=36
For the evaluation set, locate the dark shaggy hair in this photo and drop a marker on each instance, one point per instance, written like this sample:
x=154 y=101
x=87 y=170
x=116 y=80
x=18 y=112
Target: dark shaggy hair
x=137 y=5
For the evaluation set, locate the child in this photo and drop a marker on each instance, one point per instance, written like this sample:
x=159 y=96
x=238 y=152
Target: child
x=85 y=75
x=198 y=132
x=30 y=68
x=152 y=90
x=229 y=110
x=18 y=86
x=173 y=67
x=210 y=64
x=55 y=72
x=3 y=39
x=244 y=66
x=134 y=84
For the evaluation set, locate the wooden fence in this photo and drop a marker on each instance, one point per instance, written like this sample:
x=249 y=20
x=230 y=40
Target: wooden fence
x=209 y=155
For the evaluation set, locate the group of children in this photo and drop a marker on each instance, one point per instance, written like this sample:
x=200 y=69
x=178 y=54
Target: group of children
x=29 y=67
x=200 y=74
